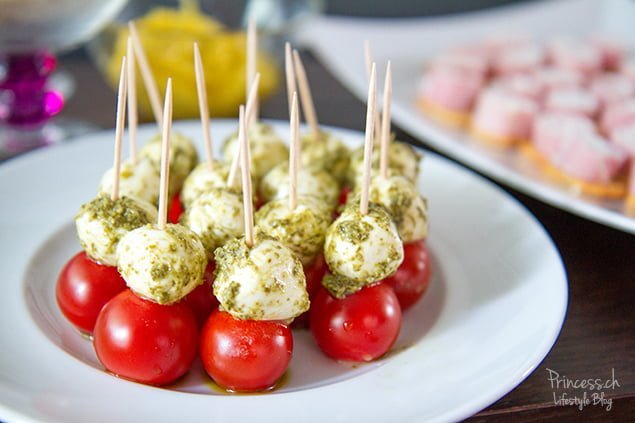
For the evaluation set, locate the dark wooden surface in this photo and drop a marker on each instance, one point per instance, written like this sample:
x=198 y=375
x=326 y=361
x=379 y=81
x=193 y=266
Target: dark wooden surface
x=599 y=331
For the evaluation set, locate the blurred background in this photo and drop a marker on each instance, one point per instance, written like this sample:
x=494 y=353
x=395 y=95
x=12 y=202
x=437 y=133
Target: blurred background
x=48 y=49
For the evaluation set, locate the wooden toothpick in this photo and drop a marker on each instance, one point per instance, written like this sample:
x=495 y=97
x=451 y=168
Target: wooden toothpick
x=290 y=74
x=246 y=178
x=252 y=65
x=165 y=156
x=368 y=140
x=120 y=122
x=294 y=152
x=305 y=95
x=133 y=118
x=146 y=74
x=233 y=169
x=202 y=104
x=385 y=123
x=368 y=60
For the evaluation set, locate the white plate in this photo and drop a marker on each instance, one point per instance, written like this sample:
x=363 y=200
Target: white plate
x=495 y=306
x=410 y=42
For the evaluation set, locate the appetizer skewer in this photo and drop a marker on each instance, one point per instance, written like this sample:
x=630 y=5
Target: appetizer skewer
x=90 y=279
x=161 y=264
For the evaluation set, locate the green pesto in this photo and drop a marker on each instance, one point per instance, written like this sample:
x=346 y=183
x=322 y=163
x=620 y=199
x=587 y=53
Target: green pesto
x=326 y=152
x=183 y=158
x=302 y=230
x=312 y=182
x=340 y=286
x=403 y=160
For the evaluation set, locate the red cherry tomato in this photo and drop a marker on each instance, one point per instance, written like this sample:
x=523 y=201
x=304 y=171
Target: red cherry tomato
x=245 y=355
x=144 y=341
x=412 y=278
x=314 y=274
x=202 y=300
x=83 y=287
x=344 y=195
x=360 y=327
x=176 y=209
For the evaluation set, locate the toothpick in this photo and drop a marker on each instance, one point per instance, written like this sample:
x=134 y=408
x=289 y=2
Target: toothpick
x=119 y=125
x=202 y=104
x=290 y=74
x=305 y=95
x=165 y=157
x=368 y=60
x=252 y=64
x=146 y=74
x=294 y=152
x=133 y=118
x=233 y=170
x=368 y=141
x=385 y=123
x=251 y=112
x=246 y=178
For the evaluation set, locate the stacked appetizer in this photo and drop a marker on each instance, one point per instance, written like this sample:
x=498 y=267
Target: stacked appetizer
x=568 y=104
x=224 y=283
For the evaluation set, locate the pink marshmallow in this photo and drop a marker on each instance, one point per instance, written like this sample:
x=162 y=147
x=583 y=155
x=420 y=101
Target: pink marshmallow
x=572 y=100
x=551 y=78
x=451 y=88
x=628 y=68
x=624 y=137
x=518 y=59
x=611 y=49
x=571 y=144
x=525 y=85
x=612 y=87
x=617 y=115
x=503 y=114
x=575 y=55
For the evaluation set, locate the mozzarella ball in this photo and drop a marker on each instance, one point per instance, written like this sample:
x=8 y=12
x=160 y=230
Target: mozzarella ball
x=262 y=282
x=312 y=182
x=203 y=179
x=326 y=152
x=408 y=209
x=102 y=222
x=161 y=265
x=266 y=148
x=302 y=229
x=365 y=248
x=216 y=217
x=402 y=160
x=183 y=158
x=140 y=181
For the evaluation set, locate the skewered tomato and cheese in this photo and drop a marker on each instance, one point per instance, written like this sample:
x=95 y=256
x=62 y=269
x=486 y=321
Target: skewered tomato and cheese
x=102 y=222
x=402 y=160
x=216 y=217
x=267 y=149
x=302 y=229
x=183 y=158
x=312 y=182
x=136 y=180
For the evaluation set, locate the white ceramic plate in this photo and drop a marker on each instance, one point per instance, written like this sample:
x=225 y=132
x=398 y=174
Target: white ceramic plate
x=494 y=308
x=410 y=42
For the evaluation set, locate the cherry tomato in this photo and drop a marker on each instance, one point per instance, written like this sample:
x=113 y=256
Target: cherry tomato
x=202 y=300
x=412 y=278
x=83 y=287
x=245 y=355
x=144 y=341
x=314 y=274
x=360 y=327
x=344 y=195
x=176 y=209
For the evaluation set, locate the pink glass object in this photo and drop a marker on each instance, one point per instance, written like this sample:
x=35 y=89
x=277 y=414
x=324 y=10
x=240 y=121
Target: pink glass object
x=25 y=99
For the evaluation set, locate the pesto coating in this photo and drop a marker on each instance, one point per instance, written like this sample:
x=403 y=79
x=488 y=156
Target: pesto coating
x=326 y=152
x=183 y=158
x=302 y=230
x=402 y=160
x=102 y=222
x=363 y=248
x=262 y=282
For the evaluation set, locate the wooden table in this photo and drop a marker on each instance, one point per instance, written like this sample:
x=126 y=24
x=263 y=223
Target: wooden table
x=599 y=331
